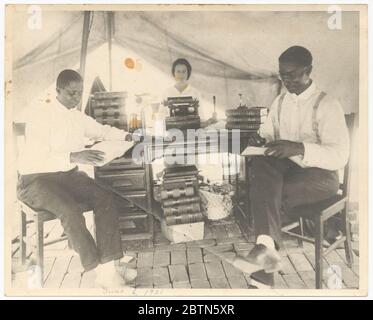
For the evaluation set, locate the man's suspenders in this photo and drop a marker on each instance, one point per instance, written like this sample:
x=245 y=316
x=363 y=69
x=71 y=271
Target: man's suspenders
x=315 y=125
x=277 y=127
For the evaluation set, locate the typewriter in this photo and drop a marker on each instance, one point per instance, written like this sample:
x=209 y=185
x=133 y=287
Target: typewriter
x=183 y=113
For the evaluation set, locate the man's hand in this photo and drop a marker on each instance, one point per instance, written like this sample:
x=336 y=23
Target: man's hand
x=256 y=140
x=284 y=149
x=92 y=157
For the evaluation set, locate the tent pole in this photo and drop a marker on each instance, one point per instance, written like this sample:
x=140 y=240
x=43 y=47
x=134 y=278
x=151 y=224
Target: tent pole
x=110 y=38
x=83 y=52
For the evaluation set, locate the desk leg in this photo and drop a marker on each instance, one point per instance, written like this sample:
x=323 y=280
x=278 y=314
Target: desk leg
x=243 y=214
x=149 y=194
x=247 y=191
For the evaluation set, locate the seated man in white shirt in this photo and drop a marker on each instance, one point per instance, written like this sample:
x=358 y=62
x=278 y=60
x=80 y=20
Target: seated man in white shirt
x=49 y=178
x=308 y=126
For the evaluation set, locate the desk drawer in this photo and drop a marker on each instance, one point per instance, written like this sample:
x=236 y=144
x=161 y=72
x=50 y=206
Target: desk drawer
x=125 y=181
x=122 y=164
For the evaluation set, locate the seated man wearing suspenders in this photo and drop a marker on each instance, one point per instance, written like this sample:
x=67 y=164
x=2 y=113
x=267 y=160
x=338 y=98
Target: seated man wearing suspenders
x=307 y=126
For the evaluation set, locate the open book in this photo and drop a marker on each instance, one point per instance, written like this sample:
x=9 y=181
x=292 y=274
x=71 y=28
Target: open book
x=253 y=151
x=112 y=149
x=259 y=151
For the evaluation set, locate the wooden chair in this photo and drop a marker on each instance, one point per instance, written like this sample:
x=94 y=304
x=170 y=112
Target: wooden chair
x=29 y=215
x=321 y=212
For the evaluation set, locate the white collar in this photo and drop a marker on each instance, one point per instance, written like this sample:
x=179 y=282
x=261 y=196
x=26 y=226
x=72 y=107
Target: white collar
x=305 y=94
x=185 y=90
x=61 y=107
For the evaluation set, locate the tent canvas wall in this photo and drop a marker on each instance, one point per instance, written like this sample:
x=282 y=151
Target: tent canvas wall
x=231 y=52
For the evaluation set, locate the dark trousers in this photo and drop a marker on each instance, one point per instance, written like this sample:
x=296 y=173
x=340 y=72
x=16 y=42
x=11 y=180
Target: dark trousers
x=279 y=185
x=68 y=195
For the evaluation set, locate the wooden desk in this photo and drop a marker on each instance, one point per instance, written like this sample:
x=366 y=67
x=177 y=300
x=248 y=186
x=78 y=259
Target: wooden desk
x=154 y=148
x=222 y=143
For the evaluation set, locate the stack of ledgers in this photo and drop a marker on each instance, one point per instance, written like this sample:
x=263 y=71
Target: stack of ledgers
x=180 y=199
x=109 y=108
x=246 y=118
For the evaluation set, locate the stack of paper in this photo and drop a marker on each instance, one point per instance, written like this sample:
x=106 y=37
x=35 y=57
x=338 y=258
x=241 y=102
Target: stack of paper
x=112 y=149
x=253 y=151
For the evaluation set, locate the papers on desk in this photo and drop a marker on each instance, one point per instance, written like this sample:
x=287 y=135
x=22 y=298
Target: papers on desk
x=112 y=149
x=259 y=151
x=253 y=151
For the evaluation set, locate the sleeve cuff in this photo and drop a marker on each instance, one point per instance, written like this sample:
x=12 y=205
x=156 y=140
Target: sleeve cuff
x=115 y=134
x=61 y=159
x=68 y=160
x=309 y=151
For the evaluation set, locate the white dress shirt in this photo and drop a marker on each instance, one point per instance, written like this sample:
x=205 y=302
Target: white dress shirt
x=53 y=132
x=332 y=152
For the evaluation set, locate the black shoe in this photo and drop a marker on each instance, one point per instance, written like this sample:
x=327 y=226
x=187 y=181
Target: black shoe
x=270 y=260
x=262 y=280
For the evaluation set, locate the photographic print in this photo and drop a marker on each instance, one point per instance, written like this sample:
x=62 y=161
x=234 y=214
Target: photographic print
x=195 y=150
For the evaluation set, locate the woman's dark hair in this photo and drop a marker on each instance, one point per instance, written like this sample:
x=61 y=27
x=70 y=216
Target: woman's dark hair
x=66 y=76
x=183 y=61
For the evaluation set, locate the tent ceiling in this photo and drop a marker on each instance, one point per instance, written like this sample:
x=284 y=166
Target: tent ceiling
x=150 y=33
x=231 y=46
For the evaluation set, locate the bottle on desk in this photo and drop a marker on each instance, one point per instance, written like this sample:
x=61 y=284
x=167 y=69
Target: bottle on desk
x=214 y=114
x=159 y=120
x=134 y=123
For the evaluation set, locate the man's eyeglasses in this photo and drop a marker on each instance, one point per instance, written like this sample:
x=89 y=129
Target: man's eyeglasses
x=291 y=75
x=73 y=93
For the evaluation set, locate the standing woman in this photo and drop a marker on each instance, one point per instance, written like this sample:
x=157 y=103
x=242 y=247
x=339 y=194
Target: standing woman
x=181 y=71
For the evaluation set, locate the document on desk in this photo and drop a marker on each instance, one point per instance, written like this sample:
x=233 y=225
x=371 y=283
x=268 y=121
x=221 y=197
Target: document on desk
x=253 y=151
x=112 y=149
x=259 y=151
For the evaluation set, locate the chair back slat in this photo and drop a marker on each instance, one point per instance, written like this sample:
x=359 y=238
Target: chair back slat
x=350 y=122
x=19 y=137
x=19 y=129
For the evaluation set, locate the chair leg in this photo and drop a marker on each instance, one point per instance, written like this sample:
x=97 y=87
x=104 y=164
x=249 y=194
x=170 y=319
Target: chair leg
x=319 y=239
x=347 y=244
x=301 y=232
x=39 y=224
x=22 y=238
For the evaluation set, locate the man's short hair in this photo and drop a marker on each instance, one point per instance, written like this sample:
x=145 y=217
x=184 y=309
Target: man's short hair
x=298 y=55
x=185 y=62
x=67 y=76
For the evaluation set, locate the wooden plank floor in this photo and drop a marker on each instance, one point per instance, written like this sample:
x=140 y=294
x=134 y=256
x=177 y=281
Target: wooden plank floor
x=192 y=264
